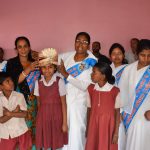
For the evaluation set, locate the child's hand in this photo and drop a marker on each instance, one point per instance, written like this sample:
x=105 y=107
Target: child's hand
x=64 y=128
x=6 y=112
x=147 y=115
x=17 y=109
x=115 y=139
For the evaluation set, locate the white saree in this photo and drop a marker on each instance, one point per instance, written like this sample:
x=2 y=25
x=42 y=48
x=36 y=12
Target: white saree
x=138 y=133
x=76 y=103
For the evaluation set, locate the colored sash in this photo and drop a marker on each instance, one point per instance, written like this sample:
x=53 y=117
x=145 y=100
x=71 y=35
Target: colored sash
x=79 y=68
x=118 y=75
x=31 y=78
x=142 y=90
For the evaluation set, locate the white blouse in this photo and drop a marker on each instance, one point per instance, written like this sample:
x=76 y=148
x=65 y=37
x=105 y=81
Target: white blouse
x=61 y=85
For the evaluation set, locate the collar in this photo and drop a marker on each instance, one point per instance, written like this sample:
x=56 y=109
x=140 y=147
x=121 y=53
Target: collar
x=51 y=81
x=106 y=87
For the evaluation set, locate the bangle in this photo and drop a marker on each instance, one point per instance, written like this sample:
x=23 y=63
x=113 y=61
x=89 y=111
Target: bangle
x=24 y=74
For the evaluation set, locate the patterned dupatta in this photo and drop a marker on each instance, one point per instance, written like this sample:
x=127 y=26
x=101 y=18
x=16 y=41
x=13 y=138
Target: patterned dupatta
x=118 y=75
x=31 y=78
x=77 y=69
x=142 y=90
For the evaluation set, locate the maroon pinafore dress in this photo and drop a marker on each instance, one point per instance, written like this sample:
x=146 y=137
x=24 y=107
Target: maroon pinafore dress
x=50 y=118
x=102 y=120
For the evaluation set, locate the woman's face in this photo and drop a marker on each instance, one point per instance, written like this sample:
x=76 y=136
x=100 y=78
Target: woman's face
x=97 y=76
x=81 y=45
x=117 y=56
x=144 y=58
x=23 y=48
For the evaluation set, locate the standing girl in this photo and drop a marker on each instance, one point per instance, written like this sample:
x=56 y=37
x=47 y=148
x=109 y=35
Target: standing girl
x=51 y=123
x=117 y=56
x=105 y=114
x=24 y=73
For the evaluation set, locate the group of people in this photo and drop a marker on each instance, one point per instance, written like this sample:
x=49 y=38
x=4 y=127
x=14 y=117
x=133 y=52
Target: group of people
x=82 y=101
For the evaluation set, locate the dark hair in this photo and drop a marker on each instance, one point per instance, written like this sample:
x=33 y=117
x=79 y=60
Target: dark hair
x=3 y=76
x=105 y=69
x=21 y=38
x=55 y=66
x=1 y=49
x=99 y=44
x=117 y=45
x=28 y=42
x=135 y=39
x=84 y=34
x=143 y=44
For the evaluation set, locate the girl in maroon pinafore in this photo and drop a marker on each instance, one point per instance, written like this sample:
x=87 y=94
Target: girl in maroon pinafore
x=104 y=118
x=51 y=123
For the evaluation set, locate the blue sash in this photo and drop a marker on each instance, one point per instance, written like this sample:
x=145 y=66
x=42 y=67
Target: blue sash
x=31 y=78
x=118 y=75
x=79 y=68
x=142 y=90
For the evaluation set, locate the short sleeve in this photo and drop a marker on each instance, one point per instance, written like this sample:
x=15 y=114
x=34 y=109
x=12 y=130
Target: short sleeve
x=88 y=99
x=89 y=95
x=62 y=87
x=36 y=88
x=118 y=103
x=22 y=102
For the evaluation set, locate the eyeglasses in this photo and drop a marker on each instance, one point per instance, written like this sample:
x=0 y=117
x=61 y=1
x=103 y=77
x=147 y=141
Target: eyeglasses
x=82 y=42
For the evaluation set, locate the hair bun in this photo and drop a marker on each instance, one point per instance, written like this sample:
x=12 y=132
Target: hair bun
x=111 y=80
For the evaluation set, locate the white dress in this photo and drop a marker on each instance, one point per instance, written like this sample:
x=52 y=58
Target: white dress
x=76 y=103
x=138 y=133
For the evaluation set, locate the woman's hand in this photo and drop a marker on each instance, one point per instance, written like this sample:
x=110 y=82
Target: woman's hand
x=147 y=115
x=62 y=69
x=34 y=54
x=33 y=66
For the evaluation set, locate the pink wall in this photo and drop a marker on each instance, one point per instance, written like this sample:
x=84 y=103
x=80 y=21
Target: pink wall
x=54 y=23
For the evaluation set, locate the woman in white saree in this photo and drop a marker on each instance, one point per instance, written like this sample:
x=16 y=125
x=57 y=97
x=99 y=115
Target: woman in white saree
x=117 y=56
x=135 y=95
x=76 y=68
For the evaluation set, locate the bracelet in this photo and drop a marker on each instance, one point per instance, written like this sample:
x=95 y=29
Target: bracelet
x=24 y=74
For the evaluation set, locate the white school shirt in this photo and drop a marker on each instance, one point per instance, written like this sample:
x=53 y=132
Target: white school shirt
x=61 y=85
x=15 y=126
x=107 y=87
